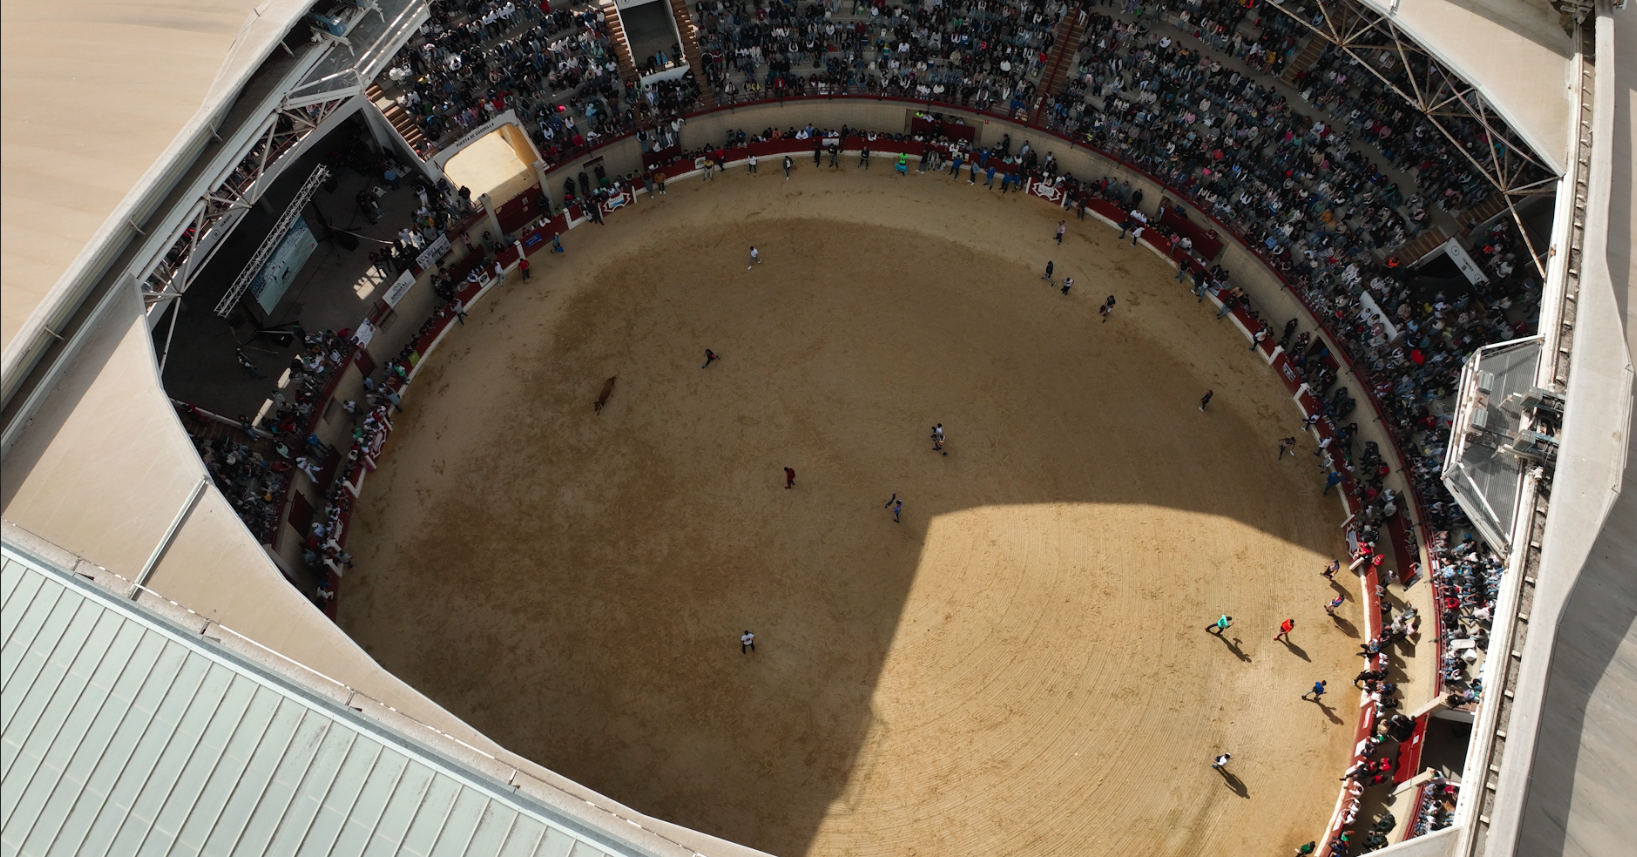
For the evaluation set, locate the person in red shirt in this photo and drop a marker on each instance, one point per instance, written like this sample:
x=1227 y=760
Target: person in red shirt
x=1285 y=628
x=789 y=478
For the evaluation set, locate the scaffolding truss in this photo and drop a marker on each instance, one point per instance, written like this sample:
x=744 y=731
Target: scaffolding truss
x=225 y=307
x=1452 y=105
x=218 y=210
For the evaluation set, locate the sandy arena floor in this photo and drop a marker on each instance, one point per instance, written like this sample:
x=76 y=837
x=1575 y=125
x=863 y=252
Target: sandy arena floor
x=1019 y=668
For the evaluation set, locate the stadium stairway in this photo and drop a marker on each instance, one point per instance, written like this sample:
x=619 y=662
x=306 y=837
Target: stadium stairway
x=622 y=45
x=1486 y=209
x=690 y=50
x=1063 y=51
x=400 y=118
x=1310 y=54
x=1415 y=249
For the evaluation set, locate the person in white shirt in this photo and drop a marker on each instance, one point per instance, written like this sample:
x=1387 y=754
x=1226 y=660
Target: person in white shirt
x=747 y=643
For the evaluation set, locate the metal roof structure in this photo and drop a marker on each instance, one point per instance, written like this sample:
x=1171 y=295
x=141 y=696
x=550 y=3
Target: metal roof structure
x=124 y=734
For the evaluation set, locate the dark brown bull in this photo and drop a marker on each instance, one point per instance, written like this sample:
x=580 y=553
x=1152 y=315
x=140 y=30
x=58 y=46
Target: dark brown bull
x=608 y=390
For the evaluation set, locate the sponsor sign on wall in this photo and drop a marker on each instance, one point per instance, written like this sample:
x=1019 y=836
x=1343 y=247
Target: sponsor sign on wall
x=433 y=252
x=1372 y=311
x=399 y=288
x=1474 y=274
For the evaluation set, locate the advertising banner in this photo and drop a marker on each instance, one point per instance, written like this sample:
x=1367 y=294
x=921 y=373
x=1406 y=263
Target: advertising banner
x=1474 y=274
x=399 y=288
x=433 y=252
x=1372 y=311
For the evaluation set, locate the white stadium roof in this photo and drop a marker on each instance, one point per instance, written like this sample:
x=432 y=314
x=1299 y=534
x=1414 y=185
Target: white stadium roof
x=97 y=97
x=126 y=734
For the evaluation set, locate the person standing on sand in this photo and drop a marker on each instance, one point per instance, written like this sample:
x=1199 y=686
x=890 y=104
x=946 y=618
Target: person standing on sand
x=1221 y=761
x=1317 y=692
x=1334 y=603
x=747 y=642
x=896 y=505
x=1062 y=227
x=1223 y=623
x=1285 y=628
x=1107 y=308
x=1287 y=445
x=789 y=478
x=938 y=438
x=755 y=258
x=1330 y=570
x=1068 y=283
x=1206 y=399
x=751 y=165
x=710 y=357
x=1048 y=275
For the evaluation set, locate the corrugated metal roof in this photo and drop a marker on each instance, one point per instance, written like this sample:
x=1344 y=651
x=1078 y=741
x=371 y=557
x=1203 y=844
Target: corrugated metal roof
x=124 y=735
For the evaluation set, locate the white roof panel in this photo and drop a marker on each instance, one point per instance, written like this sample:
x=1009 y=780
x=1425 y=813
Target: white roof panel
x=125 y=734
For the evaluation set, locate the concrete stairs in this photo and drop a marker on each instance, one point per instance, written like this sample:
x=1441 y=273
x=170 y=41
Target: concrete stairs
x=690 y=50
x=398 y=117
x=1491 y=205
x=1057 y=66
x=1415 y=249
x=1310 y=54
x=622 y=45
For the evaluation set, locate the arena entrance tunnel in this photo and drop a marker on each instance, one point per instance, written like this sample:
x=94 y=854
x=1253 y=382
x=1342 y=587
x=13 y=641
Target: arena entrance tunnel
x=1020 y=666
x=498 y=163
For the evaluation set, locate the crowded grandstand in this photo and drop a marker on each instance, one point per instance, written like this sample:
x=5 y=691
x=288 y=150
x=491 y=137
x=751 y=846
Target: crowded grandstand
x=1208 y=123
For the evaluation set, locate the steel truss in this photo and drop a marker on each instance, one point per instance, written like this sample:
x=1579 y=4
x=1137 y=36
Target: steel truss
x=235 y=193
x=1455 y=107
x=320 y=174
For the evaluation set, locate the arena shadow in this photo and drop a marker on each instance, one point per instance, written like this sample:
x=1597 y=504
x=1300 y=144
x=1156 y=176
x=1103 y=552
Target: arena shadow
x=575 y=584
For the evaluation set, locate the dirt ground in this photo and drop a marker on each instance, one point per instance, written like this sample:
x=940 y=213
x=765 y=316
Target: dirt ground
x=1019 y=667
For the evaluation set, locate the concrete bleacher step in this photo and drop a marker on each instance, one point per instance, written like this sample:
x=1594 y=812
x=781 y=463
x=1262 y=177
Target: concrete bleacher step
x=1490 y=206
x=1415 y=249
x=1310 y=54
x=622 y=45
x=690 y=50
x=396 y=116
x=1057 y=64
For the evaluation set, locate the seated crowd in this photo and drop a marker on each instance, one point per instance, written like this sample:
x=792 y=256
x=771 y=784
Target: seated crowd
x=472 y=60
x=1467 y=577
x=986 y=54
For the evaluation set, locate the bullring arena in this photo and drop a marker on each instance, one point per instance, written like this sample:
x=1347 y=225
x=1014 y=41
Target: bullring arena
x=817 y=428
x=1030 y=639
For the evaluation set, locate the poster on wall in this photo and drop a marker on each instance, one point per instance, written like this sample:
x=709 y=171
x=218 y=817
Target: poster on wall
x=280 y=269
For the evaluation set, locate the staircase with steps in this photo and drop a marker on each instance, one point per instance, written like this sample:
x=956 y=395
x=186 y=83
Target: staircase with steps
x=400 y=118
x=1310 y=54
x=1415 y=249
x=1064 y=48
x=690 y=50
x=622 y=46
x=1490 y=206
